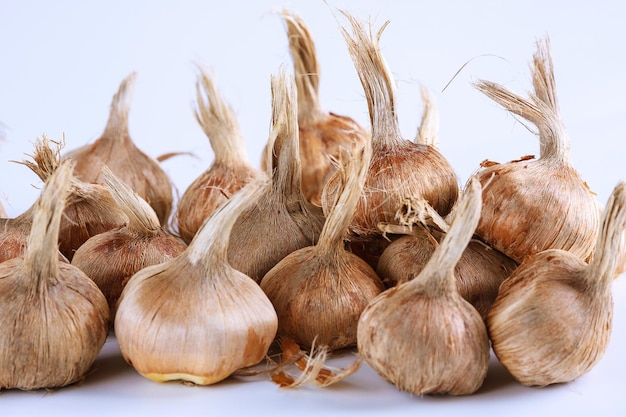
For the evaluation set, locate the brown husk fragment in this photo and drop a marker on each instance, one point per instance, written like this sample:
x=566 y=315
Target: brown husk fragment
x=552 y=319
x=428 y=130
x=282 y=220
x=422 y=335
x=116 y=149
x=320 y=291
x=230 y=170
x=112 y=257
x=195 y=318
x=55 y=319
x=323 y=135
x=312 y=366
x=90 y=209
x=530 y=205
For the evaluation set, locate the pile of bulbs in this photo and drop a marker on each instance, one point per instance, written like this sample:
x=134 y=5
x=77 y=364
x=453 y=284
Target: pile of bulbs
x=346 y=237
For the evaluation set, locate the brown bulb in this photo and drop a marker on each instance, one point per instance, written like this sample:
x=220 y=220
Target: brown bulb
x=282 y=220
x=89 y=210
x=399 y=168
x=116 y=149
x=55 y=319
x=421 y=335
x=323 y=135
x=230 y=170
x=552 y=319
x=195 y=318
x=530 y=205
x=320 y=291
x=479 y=272
x=112 y=257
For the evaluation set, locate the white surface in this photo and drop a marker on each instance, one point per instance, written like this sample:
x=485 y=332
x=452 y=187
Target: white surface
x=62 y=61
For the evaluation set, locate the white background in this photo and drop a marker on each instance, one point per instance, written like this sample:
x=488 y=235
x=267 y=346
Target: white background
x=62 y=61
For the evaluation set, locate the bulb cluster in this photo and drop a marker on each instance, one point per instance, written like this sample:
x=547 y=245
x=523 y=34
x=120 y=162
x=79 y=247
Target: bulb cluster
x=346 y=238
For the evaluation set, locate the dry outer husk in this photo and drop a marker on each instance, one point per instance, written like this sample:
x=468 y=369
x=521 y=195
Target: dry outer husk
x=428 y=130
x=311 y=366
x=552 y=320
x=530 y=205
x=282 y=220
x=55 y=319
x=229 y=171
x=399 y=168
x=3 y=213
x=621 y=265
x=14 y=235
x=90 y=209
x=323 y=135
x=320 y=291
x=195 y=318
x=422 y=335
x=112 y=257
x=479 y=272
x=116 y=149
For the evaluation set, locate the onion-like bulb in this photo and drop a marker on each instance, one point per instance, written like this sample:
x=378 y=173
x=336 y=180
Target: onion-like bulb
x=323 y=135
x=195 y=318
x=552 y=319
x=89 y=209
x=320 y=291
x=479 y=272
x=112 y=257
x=399 y=168
x=230 y=170
x=531 y=205
x=282 y=220
x=422 y=335
x=54 y=319
x=115 y=149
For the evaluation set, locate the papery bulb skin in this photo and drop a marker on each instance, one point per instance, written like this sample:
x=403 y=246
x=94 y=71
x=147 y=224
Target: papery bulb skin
x=479 y=272
x=55 y=320
x=403 y=340
x=111 y=258
x=89 y=208
x=230 y=170
x=324 y=135
x=421 y=335
x=530 y=205
x=319 y=299
x=542 y=338
x=116 y=149
x=14 y=236
x=399 y=168
x=320 y=291
x=533 y=205
x=221 y=332
x=195 y=318
x=552 y=319
x=282 y=220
